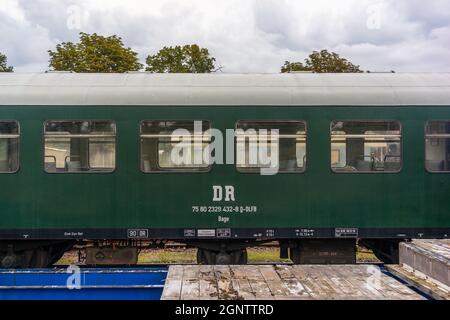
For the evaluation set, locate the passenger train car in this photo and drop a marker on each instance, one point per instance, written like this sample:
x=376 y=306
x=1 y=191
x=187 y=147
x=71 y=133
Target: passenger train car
x=88 y=158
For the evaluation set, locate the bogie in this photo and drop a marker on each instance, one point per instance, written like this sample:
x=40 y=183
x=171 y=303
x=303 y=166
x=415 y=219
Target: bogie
x=32 y=254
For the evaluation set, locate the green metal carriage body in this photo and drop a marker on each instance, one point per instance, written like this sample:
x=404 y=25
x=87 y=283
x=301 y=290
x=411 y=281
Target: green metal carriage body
x=317 y=203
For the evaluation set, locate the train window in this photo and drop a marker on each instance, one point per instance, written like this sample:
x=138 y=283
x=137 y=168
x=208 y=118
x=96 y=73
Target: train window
x=79 y=146
x=175 y=146
x=257 y=147
x=9 y=146
x=437 y=146
x=366 y=146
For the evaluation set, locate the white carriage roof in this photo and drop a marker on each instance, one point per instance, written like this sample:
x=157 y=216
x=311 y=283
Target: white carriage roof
x=294 y=89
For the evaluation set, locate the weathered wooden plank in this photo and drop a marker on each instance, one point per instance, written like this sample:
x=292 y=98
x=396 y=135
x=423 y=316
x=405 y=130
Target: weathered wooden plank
x=244 y=290
x=222 y=271
x=402 y=291
x=175 y=272
x=225 y=285
x=284 y=271
x=227 y=290
x=278 y=289
x=327 y=291
x=369 y=277
x=173 y=283
x=283 y=282
x=299 y=272
x=296 y=289
x=190 y=289
x=252 y=273
x=208 y=289
x=269 y=273
x=260 y=289
x=237 y=272
x=312 y=284
x=302 y=275
x=359 y=287
x=343 y=277
x=172 y=289
x=426 y=286
x=206 y=272
x=344 y=288
x=365 y=277
x=440 y=249
x=191 y=272
x=326 y=274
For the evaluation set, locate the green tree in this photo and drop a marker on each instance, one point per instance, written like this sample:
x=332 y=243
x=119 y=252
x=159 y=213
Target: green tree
x=181 y=59
x=4 y=64
x=293 y=66
x=94 y=53
x=322 y=62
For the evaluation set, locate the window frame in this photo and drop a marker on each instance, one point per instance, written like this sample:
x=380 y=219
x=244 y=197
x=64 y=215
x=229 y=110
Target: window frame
x=366 y=172
x=81 y=172
x=257 y=170
x=425 y=146
x=162 y=170
x=19 y=142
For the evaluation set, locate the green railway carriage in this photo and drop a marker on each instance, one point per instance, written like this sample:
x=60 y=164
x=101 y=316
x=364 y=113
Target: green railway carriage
x=88 y=157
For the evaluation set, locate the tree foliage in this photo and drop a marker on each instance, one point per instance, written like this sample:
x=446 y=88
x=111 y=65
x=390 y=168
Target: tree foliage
x=293 y=67
x=94 y=53
x=322 y=62
x=181 y=59
x=4 y=64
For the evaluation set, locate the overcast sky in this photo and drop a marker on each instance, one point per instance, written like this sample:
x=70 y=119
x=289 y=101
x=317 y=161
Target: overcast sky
x=243 y=35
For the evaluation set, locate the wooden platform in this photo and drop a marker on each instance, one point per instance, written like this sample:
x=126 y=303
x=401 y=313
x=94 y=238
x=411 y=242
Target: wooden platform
x=430 y=257
x=425 y=284
x=425 y=264
x=338 y=282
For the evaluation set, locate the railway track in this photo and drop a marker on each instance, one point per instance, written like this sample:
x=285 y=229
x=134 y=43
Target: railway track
x=174 y=253
x=157 y=265
x=177 y=245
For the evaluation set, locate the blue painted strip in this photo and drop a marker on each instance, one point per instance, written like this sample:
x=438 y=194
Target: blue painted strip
x=95 y=284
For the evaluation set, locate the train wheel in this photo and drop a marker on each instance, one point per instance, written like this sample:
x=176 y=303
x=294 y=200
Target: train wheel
x=40 y=258
x=34 y=255
x=294 y=255
x=386 y=250
x=8 y=261
x=201 y=259
x=240 y=256
x=210 y=257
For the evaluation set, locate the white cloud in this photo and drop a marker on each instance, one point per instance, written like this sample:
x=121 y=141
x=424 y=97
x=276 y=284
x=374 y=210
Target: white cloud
x=12 y=9
x=245 y=35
